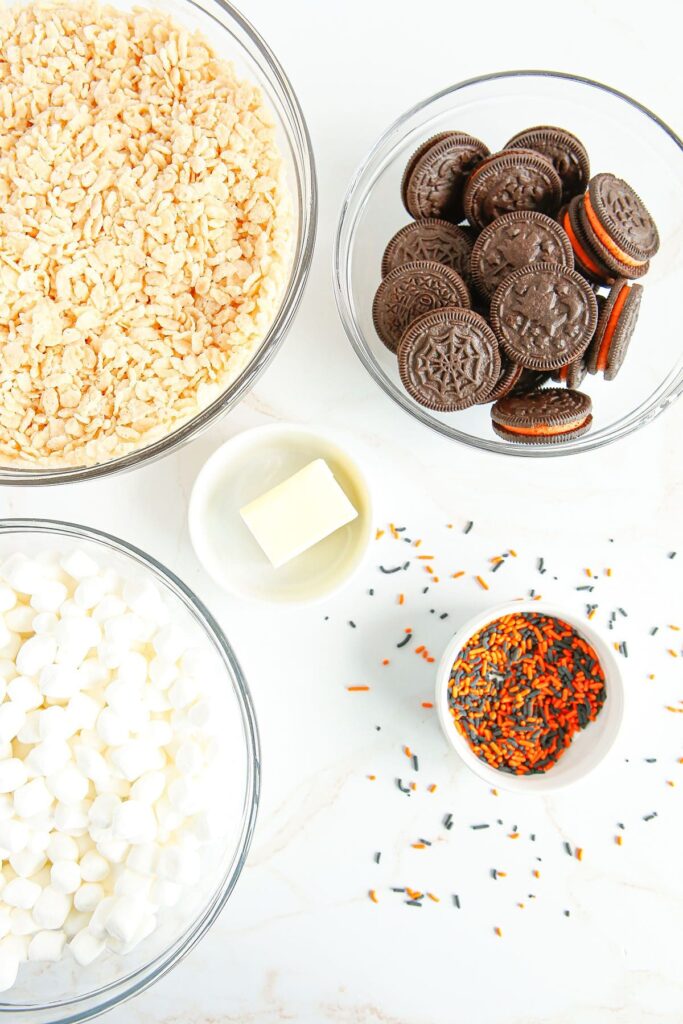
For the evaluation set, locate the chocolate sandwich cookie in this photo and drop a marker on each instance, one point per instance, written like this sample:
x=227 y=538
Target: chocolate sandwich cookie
x=449 y=360
x=548 y=416
x=586 y=260
x=573 y=374
x=509 y=377
x=516 y=240
x=616 y=325
x=518 y=179
x=606 y=254
x=566 y=153
x=430 y=239
x=435 y=177
x=620 y=220
x=530 y=380
x=411 y=290
x=544 y=316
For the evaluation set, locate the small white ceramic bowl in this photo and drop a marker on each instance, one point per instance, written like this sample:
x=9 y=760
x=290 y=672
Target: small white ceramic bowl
x=247 y=466
x=588 y=748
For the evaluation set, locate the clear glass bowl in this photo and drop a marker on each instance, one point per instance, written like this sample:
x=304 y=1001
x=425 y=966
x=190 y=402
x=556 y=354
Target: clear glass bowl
x=234 y=39
x=621 y=136
x=63 y=992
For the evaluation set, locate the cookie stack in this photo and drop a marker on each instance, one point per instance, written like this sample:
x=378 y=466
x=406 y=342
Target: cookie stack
x=500 y=281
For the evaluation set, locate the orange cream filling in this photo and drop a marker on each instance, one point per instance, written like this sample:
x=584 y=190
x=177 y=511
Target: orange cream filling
x=580 y=251
x=546 y=429
x=608 y=242
x=603 y=354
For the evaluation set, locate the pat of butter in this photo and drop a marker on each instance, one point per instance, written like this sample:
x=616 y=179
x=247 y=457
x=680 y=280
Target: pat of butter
x=295 y=515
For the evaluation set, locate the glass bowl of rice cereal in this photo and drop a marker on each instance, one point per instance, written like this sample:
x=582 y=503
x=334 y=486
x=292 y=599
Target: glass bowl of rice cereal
x=157 y=219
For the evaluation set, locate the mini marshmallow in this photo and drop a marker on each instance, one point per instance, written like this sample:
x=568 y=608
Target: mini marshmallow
x=111 y=727
x=6 y=806
x=45 y=622
x=21 y=892
x=8 y=598
x=53 y=723
x=51 y=908
x=12 y=719
x=13 y=774
x=185 y=796
x=86 y=947
x=9 y=968
x=65 y=876
x=149 y=787
x=133 y=669
x=162 y=672
x=93 y=867
x=79 y=565
x=49 y=596
x=92 y=674
x=102 y=809
x=39 y=838
x=132 y=759
x=48 y=757
x=144 y=598
x=87 y=896
x=189 y=757
x=114 y=850
x=75 y=922
x=180 y=864
x=72 y=818
x=13 y=835
x=78 y=631
x=68 y=785
x=25 y=575
x=159 y=733
x=108 y=607
x=35 y=654
x=135 y=822
x=19 y=620
x=99 y=917
x=32 y=798
x=62 y=847
x=24 y=692
x=22 y=923
x=164 y=893
x=47 y=946
x=132 y=883
x=83 y=710
x=59 y=681
x=125 y=917
x=143 y=858
x=5 y=921
x=183 y=691
x=27 y=862
x=90 y=592
x=92 y=764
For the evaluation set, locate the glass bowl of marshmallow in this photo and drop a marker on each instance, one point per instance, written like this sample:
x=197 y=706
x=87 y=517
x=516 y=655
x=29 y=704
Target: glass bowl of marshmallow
x=129 y=771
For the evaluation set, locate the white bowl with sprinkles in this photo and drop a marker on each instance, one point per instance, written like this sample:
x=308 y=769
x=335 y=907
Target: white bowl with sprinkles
x=541 y=697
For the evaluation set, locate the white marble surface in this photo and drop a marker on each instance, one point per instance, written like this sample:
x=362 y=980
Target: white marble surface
x=300 y=940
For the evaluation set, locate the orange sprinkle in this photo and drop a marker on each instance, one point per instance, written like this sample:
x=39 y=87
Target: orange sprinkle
x=378 y=534
x=608 y=572
x=536 y=873
x=417 y=543
x=482 y=583
x=579 y=853
x=436 y=579
x=428 y=568
x=407 y=751
x=618 y=840
x=539 y=597
x=414 y=894
x=672 y=653
x=408 y=629
x=677 y=628
x=494 y=792
x=496 y=559
x=651 y=676
x=588 y=572
x=427 y=704
x=418 y=846
x=449 y=526
x=401 y=598
x=373 y=896
x=432 y=788
x=669 y=708
x=435 y=899
x=521 y=906
x=615 y=645
x=420 y=649
x=670 y=782
x=680 y=760
x=512 y=552
x=413 y=785
x=457 y=575
x=357 y=689
x=591 y=613
x=394 y=531
x=429 y=660
x=426 y=558
x=513 y=835
x=385 y=661
x=502 y=874
x=498 y=932
x=372 y=778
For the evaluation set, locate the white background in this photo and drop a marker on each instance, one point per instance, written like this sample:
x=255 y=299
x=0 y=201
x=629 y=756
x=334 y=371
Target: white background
x=300 y=939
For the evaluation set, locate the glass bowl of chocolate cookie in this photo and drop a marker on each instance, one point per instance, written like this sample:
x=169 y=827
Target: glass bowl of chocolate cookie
x=506 y=263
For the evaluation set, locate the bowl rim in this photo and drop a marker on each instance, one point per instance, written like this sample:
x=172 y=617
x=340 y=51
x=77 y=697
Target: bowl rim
x=195 y=511
x=84 y=1007
x=535 y=785
x=343 y=290
x=308 y=199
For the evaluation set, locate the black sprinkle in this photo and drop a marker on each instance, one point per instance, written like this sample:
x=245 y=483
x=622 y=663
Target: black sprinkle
x=624 y=647
x=406 y=640
x=425 y=589
x=532 y=593
x=532 y=837
x=400 y=529
x=539 y=564
x=672 y=554
x=654 y=630
x=371 y=592
x=431 y=611
x=416 y=763
x=413 y=903
x=378 y=728
x=566 y=913
x=621 y=825
x=568 y=849
x=404 y=789
x=405 y=566
x=650 y=760
x=397 y=889
x=444 y=616
x=496 y=567
x=388 y=572
x=352 y=624
x=427 y=842
x=588 y=587
x=649 y=817
x=407 y=540
x=475 y=827
x=456 y=900
x=378 y=857
x=469 y=526
x=622 y=612
x=494 y=874
x=448 y=821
